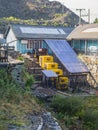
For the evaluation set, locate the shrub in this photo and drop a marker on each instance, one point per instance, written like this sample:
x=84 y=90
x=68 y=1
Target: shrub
x=90 y=119
x=28 y=79
x=8 y=88
x=68 y=105
x=20 y=58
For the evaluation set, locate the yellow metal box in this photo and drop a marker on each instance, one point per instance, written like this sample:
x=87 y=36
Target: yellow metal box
x=58 y=71
x=63 y=80
x=62 y=86
x=45 y=59
x=51 y=65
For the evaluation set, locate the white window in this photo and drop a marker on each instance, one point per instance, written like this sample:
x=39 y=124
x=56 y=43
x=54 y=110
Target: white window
x=36 y=44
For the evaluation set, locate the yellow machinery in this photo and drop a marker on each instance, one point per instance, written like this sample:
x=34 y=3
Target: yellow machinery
x=46 y=62
x=50 y=66
x=59 y=72
x=45 y=59
x=62 y=82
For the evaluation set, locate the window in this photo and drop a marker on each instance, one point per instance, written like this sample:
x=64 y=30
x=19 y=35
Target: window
x=36 y=44
x=29 y=44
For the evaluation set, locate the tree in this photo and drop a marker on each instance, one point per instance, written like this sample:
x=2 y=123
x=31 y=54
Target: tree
x=96 y=20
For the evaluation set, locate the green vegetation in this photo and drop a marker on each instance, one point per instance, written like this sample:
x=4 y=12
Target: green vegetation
x=6 y=20
x=15 y=103
x=20 y=58
x=72 y=112
x=28 y=79
x=96 y=20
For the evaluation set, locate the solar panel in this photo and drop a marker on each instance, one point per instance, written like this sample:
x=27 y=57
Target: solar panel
x=36 y=30
x=49 y=73
x=67 y=56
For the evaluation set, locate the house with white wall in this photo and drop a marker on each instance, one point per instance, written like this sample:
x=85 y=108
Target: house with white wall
x=25 y=38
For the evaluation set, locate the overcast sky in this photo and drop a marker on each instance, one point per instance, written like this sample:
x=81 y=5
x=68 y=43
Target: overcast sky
x=85 y=4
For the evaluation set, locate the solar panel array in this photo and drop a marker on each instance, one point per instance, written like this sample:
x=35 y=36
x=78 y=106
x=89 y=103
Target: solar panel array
x=32 y=30
x=49 y=73
x=67 y=56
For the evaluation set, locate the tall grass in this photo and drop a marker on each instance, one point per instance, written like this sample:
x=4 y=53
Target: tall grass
x=8 y=88
x=79 y=112
x=15 y=103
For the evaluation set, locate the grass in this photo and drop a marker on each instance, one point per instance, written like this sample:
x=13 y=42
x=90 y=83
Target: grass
x=20 y=58
x=70 y=110
x=15 y=103
x=13 y=113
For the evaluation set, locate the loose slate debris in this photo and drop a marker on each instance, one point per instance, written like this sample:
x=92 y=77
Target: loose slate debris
x=44 y=93
x=49 y=123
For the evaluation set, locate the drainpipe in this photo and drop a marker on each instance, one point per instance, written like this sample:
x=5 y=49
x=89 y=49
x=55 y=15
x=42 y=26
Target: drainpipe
x=85 y=47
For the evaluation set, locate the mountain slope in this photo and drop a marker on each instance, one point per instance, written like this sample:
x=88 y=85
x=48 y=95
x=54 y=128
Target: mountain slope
x=42 y=10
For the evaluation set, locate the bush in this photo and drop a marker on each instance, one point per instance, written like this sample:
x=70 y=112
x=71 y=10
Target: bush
x=68 y=105
x=90 y=119
x=8 y=88
x=28 y=79
x=20 y=58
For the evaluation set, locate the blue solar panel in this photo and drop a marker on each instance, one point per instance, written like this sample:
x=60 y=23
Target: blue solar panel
x=67 y=56
x=49 y=73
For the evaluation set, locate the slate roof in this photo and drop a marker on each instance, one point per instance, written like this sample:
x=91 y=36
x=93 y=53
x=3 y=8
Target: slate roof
x=86 y=31
x=25 y=35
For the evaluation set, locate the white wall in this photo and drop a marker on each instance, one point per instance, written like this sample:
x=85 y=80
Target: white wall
x=1 y=36
x=11 y=38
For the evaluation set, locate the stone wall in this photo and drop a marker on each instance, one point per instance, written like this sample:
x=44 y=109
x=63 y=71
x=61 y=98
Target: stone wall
x=92 y=64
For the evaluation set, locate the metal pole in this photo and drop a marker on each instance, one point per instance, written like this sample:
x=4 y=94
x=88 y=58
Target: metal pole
x=80 y=10
x=88 y=15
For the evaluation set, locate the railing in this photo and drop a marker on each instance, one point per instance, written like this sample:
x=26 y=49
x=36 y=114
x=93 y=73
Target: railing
x=8 y=47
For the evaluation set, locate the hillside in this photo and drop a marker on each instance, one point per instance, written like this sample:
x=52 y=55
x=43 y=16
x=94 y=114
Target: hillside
x=38 y=10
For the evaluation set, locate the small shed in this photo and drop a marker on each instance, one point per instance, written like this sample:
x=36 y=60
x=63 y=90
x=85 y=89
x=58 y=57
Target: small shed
x=49 y=78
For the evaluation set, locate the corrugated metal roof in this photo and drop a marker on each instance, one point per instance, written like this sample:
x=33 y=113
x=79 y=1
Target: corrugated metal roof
x=86 y=31
x=44 y=32
x=67 y=56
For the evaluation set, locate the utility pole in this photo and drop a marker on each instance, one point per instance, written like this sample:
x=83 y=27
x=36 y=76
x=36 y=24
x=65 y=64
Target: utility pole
x=80 y=15
x=88 y=15
x=85 y=15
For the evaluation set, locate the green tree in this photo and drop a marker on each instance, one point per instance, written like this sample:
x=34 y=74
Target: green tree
x=96 y=20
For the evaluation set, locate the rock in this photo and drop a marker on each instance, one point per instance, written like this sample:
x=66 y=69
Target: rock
x=44 y=93
x=49 y=123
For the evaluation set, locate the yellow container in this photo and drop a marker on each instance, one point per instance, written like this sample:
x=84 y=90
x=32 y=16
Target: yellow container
x=62 y=83
x=62 y=86
x=58 y=71
x=51 y=65
x=63 y=80
x=45 y=59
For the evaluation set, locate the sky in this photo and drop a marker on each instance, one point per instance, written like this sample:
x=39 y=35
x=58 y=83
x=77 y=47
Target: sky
x=82 y=4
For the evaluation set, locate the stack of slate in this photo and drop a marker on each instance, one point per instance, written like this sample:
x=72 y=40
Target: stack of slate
x=92 y=64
